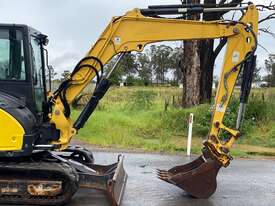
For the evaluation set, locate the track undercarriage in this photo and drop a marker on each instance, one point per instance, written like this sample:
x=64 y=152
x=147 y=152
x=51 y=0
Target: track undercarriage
x=48 y=178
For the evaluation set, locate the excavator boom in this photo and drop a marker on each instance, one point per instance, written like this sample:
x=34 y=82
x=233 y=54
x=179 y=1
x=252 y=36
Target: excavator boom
x=37 y=140
x=132 y=32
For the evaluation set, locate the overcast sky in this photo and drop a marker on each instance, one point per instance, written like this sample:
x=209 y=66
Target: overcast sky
x=74 y=25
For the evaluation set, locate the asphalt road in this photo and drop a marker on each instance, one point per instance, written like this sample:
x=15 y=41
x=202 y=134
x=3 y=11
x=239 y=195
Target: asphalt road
x=244 y=182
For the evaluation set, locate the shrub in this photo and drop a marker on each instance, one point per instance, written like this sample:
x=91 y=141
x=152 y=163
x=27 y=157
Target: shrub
x=141 y=100
x=176 y=120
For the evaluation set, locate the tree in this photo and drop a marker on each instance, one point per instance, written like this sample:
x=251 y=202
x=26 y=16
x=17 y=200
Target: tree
x=52 y=73
x=65 y=74
x=203 y=56
x=270 y=68
x=256 y=76
x=175 y=64
x=144 y=70
x=160 y=61
x=128 y=66
x=117 y=74
x=207 y=60
x=191 y=68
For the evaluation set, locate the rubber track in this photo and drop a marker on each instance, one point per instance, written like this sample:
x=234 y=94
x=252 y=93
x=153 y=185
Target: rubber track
x=41 y=170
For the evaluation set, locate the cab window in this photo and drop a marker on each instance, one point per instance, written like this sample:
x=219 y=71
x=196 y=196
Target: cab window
x=37 y=73
x=12 y=63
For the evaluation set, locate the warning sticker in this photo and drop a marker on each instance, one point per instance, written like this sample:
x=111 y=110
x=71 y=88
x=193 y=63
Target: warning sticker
x=236 y=57
x=117 y=40
x=220 y=108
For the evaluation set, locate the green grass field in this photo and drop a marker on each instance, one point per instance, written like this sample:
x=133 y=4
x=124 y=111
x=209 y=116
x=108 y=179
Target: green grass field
x=135 y=118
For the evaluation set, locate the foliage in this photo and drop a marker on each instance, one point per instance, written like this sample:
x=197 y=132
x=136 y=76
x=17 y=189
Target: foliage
x=160 y=61
x=175 y=64
x=129 y=65
x=270 y=67
x=143 y=123
x=141 y=100
x=65 y=74
x=116 y=76
x=256 y=76
x=142 y=68
x=52 y=73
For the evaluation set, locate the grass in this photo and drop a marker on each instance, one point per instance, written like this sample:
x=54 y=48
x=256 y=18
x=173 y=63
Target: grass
x=136 y=118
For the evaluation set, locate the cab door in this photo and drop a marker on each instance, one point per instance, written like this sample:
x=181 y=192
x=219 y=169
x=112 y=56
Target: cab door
x=14 y=63
x=38 y=74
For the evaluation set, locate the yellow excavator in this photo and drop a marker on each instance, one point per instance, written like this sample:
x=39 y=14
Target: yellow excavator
x=37 y=164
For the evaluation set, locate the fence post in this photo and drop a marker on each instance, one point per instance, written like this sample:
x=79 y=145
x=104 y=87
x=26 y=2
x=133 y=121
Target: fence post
x=189 y=140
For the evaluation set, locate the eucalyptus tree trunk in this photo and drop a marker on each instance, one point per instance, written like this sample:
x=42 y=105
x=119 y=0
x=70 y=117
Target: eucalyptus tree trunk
x=192 y=74
x=207 y=61
x=198 y=60
x=191 y=70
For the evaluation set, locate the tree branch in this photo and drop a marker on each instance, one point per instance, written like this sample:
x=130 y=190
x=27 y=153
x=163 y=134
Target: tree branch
x=265 y=49
x=230 y=4
x=219 y=48
x=266 y=30
x=233 y=3
x=271 y=16
x=271 y=7
x=222 y=2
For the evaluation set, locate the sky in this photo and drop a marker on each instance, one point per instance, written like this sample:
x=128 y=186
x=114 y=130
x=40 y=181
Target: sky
x=74 y=26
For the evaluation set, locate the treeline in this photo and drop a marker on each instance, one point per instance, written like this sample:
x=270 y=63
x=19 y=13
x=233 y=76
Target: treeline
x=270 y=68
x=159 y=64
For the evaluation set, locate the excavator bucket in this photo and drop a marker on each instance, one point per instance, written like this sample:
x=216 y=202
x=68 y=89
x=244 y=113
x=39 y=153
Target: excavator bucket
x=197 y=178
x=110 y=179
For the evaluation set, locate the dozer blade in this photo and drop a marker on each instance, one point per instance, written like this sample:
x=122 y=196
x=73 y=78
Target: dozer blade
x=108 y=178
x=198 y=178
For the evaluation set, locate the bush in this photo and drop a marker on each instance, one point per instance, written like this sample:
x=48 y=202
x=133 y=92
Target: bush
x=176 y=120
x=141 y=100
x=258 y=111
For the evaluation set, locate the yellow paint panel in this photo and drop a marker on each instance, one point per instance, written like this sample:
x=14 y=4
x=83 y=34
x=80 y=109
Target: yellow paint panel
x=11 y=133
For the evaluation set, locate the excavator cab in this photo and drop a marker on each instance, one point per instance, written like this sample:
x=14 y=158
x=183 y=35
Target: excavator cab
x=22 y=66
x=26 y=143
x=22 y=87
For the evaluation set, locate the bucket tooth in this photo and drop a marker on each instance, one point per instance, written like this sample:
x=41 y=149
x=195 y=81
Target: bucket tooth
x=197 y=178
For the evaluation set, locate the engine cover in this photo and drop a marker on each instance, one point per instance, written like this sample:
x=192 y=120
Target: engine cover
x=17 y=126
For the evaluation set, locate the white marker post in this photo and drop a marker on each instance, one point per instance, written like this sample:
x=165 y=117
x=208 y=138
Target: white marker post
x=189 y=140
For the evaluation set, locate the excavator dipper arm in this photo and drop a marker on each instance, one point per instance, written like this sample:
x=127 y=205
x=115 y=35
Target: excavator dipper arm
x=198 y=178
